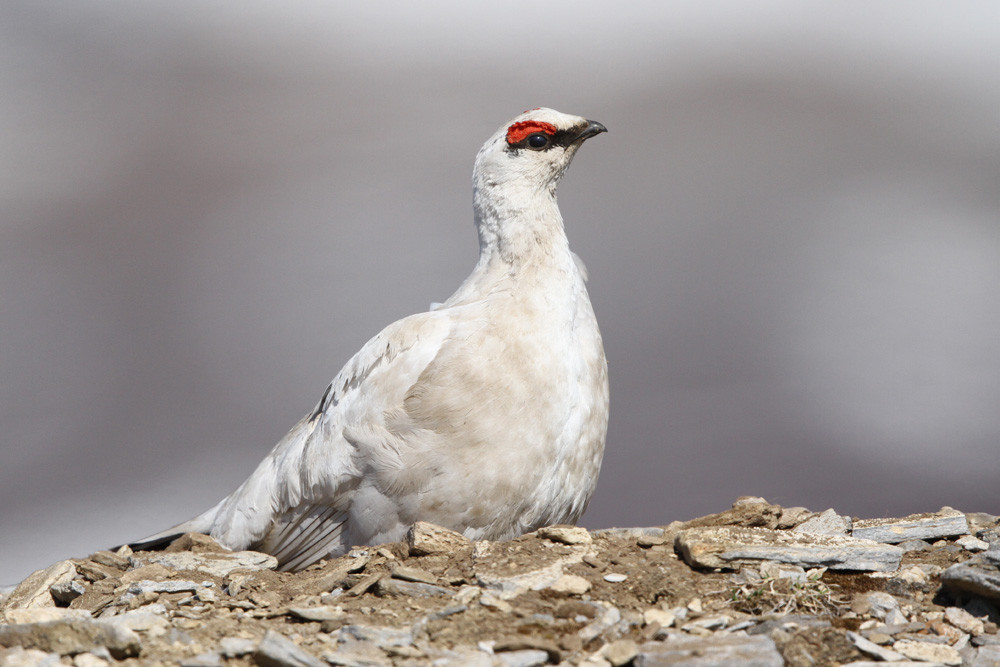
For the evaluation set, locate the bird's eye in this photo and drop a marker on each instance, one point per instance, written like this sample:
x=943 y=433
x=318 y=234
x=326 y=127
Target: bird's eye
x=538 y=141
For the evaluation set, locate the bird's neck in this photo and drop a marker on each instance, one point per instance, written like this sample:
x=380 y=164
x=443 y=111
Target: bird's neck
x=522 y=246
x=518 y=225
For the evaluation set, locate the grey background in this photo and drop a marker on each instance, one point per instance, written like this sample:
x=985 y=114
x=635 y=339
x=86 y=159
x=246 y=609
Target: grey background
x=792 y=230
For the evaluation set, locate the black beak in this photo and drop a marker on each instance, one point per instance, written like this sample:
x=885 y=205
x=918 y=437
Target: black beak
x=593 y=128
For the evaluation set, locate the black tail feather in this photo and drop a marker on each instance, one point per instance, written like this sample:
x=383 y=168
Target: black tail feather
x=155 y=544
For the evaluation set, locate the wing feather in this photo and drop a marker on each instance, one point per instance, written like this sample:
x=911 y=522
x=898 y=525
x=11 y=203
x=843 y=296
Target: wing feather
x=295 y=505
x=303 y=536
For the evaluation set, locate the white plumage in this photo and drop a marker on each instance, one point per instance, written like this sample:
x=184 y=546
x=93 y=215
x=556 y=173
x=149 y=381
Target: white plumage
x=486 y=414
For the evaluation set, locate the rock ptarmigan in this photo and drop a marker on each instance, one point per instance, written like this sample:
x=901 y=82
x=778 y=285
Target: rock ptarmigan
x=486 y=414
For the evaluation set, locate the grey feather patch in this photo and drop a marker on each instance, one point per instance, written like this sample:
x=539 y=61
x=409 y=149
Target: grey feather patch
x=303 y=536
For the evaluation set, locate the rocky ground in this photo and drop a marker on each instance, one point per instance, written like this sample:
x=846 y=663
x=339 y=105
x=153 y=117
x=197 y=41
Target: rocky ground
x=755 y=585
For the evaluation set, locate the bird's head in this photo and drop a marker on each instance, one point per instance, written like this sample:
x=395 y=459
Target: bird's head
x=533 y=150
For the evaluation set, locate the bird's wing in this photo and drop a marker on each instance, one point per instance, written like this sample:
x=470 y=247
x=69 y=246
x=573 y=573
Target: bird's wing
x=303 y=535
x=295 y=503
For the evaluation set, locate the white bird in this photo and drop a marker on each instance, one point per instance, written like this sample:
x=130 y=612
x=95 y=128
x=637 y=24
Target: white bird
x=487 y=414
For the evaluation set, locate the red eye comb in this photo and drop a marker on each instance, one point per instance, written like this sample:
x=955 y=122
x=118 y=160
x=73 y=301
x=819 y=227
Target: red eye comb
x=518 y=131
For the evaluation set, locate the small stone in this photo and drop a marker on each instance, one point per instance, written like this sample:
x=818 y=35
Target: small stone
x=21 y=657
x=318 y=614
x=981 y=521
x=171 y=586
x=72 y=636
x=498 y=567
x=366 y=582
x=774 y=570
x=380 y=636
x=826 y=523
x=964 y=621
x=358 y=654
x=980 y=575
x=404 y=652
x=632 y=533
x=948 y=631
x=207 y=595
x=234 y=647
x=660 y=617
x=154 y=572
x=987 y=656
x=66 y=592
x=209 y=659
x=527 y=643
x=276 y=650
x=620 y=652
x=523 y=658
x=151 y=620
x=571 y=584
x=744 y=501
x=467 y=594
x=695 y=606
x=928 y=652
x=912 y=575
x=97 y=597
x=758 y=650
x=914 y=545
x=615 y=577
x=110 y=559
x=413 y=574
x=218 y=564
x=329 y=575
x=413 y=589
x=869 y=647
x=447 y=611
x=732 y=547
x=875 y=603
x=86 y=660
x=716 y=622
x=426 y=539
x=44 y=614
x=648 y=541
x=490 y=600
x=92 y=571
x=944 y=523
x=793 y=516
x=607 y=618
x=747 y=512
x=34 y=590
x=266 y=598
x=970 y=543
x=565 y=534
x=197 y=542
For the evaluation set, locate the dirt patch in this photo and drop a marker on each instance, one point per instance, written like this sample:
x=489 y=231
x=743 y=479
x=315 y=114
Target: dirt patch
x=608 y=595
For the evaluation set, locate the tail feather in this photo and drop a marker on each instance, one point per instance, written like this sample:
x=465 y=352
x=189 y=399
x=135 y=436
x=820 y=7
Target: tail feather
x=157 y=541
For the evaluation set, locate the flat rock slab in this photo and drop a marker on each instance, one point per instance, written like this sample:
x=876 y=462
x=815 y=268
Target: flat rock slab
x=508 y=569
x=827 y=523
x=72 y=636
x=933 y=525
x=731 y=547
x=44 y=615
x=34 y=591
x=425 y=539
x=716 y=651
x=980 y=575
x=216 y=564
x=276 y=650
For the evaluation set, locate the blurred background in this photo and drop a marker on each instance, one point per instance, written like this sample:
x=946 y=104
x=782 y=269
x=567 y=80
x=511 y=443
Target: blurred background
x=792 y=231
